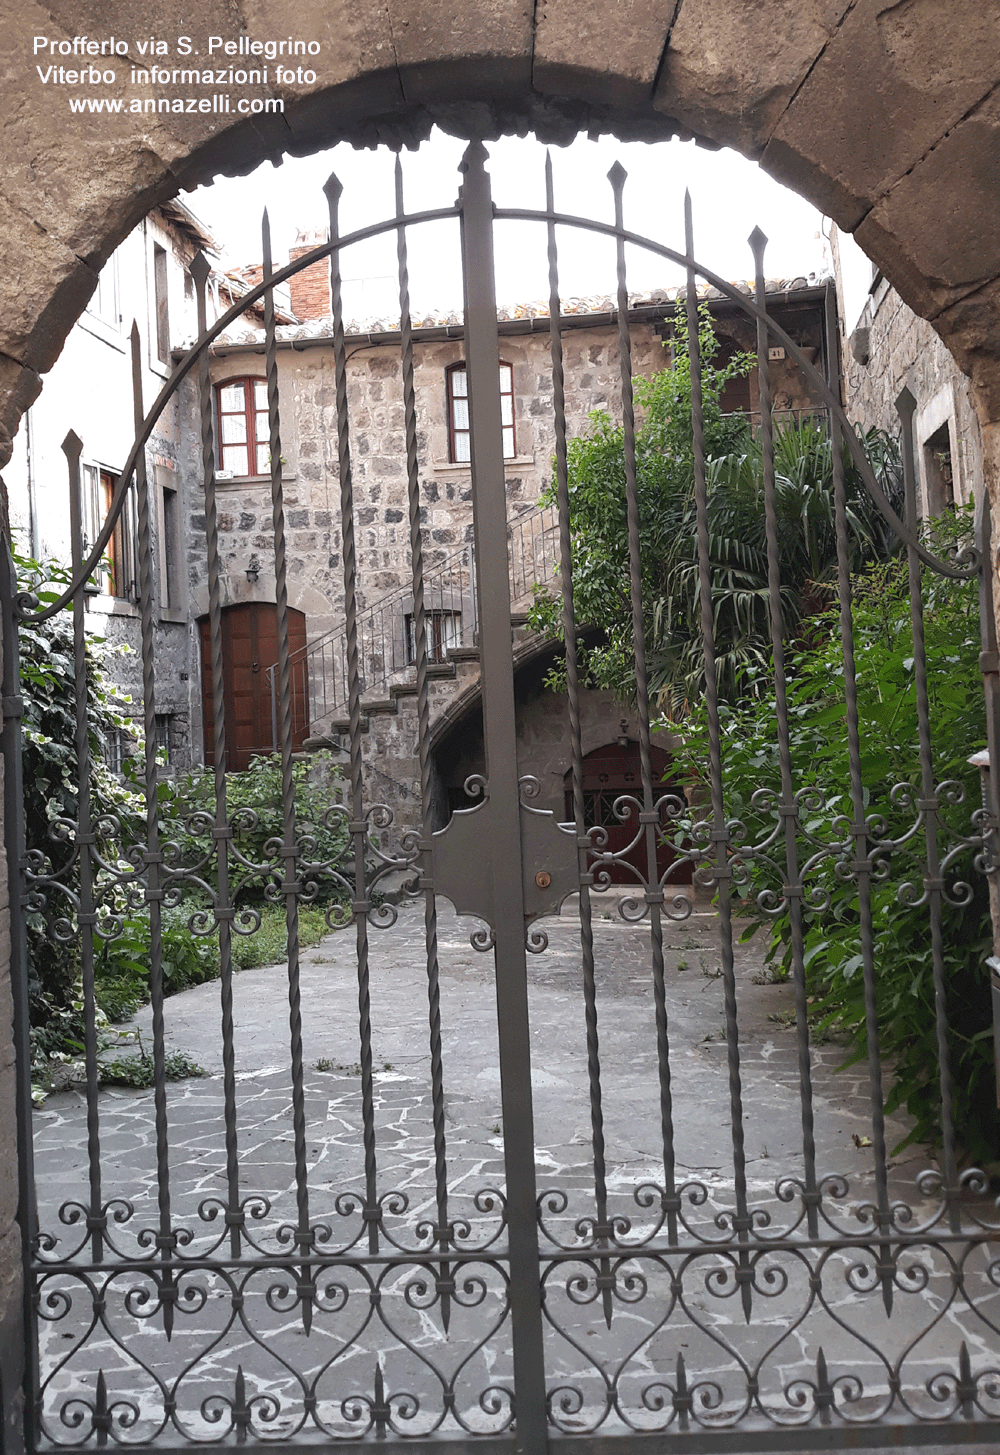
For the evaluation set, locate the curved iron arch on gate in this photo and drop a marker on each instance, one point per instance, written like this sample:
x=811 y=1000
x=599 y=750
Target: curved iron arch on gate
x=316 y=1292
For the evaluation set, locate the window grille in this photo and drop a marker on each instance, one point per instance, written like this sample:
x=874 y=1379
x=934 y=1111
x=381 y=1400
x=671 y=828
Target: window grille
x=119 y=745
x=163 y=720
x=443 y=629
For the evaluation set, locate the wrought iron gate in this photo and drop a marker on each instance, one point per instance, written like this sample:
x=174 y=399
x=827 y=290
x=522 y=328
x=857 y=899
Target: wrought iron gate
x=667 y=1308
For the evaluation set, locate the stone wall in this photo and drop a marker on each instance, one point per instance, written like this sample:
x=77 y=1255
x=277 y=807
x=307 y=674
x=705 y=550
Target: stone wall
x=890 y=349
x=374 y=391
x=311 y=484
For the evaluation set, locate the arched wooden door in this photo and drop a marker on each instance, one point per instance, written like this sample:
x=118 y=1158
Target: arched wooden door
x=249 y=647
x=608 y=773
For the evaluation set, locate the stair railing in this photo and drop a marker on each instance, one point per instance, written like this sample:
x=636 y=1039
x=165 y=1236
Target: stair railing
x=386 y=643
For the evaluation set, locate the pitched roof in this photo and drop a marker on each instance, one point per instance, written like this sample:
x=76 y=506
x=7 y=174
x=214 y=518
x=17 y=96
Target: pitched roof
x=657 y=302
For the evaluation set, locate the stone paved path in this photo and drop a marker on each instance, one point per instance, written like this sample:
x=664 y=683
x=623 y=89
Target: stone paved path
x=417 y=1353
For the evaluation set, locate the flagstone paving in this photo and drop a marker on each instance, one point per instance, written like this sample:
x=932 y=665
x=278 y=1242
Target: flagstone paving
x=416 y=1352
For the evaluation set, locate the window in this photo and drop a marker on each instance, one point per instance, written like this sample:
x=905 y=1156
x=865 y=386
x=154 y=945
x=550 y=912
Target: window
x=169 y=539
x=104 y=301
x=458 y=413
x=443 y=629
x=162 y=721
x=160 y=301
x=118 y=573
x=939 y=471
x=243 y=427
x=119 y=744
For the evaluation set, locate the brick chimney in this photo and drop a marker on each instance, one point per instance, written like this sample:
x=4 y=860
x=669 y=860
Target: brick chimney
x=310 y=289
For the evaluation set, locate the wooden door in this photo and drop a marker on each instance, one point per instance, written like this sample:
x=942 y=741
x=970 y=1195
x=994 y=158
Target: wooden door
x=608 y=773
x=249 y=648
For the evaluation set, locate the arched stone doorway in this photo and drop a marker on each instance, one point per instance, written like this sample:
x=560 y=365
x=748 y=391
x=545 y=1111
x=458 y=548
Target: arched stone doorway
x=884 y=115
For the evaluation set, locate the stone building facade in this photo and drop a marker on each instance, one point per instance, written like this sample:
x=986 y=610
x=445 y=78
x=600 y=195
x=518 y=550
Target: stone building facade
x=889 y=348
x=89 y=391
x=148 y=279
x=384 y=584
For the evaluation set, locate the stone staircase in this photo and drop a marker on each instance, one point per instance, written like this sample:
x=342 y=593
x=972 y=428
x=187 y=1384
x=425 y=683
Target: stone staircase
x=389 y=693
x=386 y=646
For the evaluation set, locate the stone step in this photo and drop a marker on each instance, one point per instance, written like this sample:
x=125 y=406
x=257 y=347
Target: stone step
x=338 y=728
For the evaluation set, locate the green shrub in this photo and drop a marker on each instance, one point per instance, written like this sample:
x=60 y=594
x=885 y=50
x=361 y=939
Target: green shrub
x=122 y=963
x=137 y=1071
x=890 y=756
x=48 y=686
x=254 y=805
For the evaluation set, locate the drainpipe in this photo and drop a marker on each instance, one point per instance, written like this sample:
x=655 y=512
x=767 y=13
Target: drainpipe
x=29 y=446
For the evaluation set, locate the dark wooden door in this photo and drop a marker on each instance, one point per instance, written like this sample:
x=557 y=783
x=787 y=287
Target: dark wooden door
x=249 y=648
x=608 y=773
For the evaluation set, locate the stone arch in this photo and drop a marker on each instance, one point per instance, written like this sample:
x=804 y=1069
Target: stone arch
x=236 y=589
x=885 y=115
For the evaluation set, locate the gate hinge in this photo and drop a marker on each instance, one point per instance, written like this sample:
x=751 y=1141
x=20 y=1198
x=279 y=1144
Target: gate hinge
x=13 y=707
x=989 y=662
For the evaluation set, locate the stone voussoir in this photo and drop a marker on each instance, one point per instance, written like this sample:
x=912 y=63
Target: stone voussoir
x=730 y=69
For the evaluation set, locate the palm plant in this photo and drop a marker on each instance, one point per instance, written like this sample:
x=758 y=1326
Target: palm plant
x=664 y=449
x=807 y=553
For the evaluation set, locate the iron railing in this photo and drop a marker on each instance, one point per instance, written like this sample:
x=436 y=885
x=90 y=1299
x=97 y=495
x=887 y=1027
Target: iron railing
x=387 y=635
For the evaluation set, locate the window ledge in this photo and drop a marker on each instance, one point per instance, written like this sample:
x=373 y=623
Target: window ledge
x=112 y=606
x=512 y=462
x=228 y=483
x=100 y=328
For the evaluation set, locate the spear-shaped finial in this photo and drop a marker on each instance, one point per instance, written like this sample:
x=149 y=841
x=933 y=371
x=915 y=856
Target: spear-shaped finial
x=758 y=242
x=265 y=242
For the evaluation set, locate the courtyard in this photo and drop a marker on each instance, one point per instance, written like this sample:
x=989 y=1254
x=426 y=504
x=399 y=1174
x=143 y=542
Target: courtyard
x=402 y=1339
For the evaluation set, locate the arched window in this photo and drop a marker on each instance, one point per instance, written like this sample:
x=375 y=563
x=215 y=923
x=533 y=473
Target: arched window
x=457 y=380
x=241 y=406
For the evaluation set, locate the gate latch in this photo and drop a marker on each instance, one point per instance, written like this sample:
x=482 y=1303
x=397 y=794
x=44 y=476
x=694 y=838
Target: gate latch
x=463 y=862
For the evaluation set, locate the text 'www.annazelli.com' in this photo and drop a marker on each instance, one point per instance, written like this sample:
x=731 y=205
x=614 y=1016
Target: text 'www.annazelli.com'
x=217 y=103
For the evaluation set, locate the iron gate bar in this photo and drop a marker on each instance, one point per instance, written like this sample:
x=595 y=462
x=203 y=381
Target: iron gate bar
x=989 y=665
x=792 y=889
x=220 y=828
x=648 y=813
x=978 y=1432
x=698 y=1442
x=86 y=918
x=929 y=804
x=19 y=1356
x=720 y=833
x=289 y=851
x=152 y=858
x=443 y=1232
x=358 y=826
x=860 y=866
x=979 y=1235
x=497 y=672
